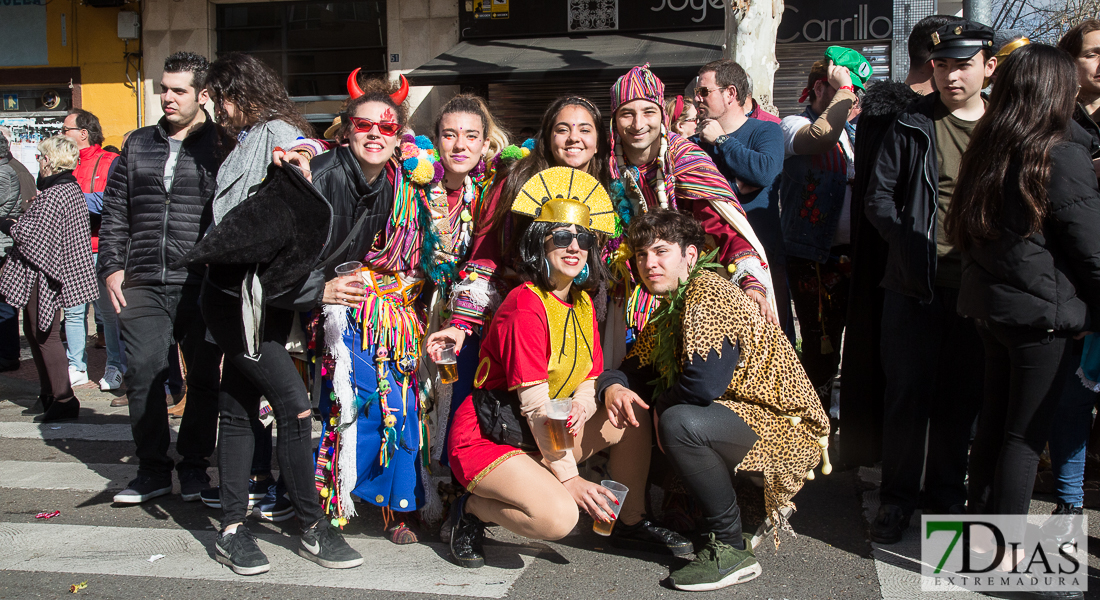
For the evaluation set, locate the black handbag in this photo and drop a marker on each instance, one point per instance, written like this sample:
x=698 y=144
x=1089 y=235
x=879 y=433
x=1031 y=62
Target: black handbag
x=501 y=421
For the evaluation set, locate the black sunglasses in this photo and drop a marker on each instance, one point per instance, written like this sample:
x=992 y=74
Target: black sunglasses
x=562 y=239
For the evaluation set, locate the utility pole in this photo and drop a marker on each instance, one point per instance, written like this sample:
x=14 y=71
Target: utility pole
x=978 y=10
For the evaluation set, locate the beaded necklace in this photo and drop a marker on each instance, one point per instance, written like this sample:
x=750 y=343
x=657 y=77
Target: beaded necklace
x=633 y=178
x=450 y=241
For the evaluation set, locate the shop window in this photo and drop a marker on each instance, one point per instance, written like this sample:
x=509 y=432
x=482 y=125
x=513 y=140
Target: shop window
x=312 y=45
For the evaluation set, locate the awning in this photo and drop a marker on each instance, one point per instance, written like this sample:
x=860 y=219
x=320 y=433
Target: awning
x=676 y=54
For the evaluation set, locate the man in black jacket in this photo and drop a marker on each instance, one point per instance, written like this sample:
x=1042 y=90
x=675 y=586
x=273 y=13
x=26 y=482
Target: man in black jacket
x=864 y=382
x=156 y=207
x=931 y=356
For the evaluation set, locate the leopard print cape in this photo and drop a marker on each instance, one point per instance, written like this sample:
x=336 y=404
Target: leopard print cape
x=769 y=390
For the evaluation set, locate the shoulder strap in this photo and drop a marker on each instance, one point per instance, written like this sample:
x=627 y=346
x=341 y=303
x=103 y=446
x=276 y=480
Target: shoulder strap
x=336 y=257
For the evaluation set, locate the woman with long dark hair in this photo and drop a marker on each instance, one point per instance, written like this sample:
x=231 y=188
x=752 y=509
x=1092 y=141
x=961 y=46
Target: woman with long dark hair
x=573 y=135
x=543 y=346
x=1026 y=216
x=252 y=104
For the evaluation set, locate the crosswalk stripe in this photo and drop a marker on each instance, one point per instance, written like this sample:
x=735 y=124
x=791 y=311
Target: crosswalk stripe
x=96 y=432
x=100 y=550
x=64 y=475
x=898 y=565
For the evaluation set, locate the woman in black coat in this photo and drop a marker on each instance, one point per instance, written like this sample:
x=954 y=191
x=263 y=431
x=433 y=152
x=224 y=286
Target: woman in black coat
x=1027 y=220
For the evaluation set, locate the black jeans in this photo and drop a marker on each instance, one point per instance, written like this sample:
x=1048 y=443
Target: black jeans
x=704 y=444
x=156 y=317
x=933 y=361
x=1025 y=371
x=244 y=380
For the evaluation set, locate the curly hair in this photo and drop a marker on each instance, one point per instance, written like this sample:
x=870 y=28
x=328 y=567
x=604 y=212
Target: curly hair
x=374 y=89
x=1029 y=111
x=671 y=226
x=496 y=137
x=531 y=265
x=254 y=88
x=61 y=151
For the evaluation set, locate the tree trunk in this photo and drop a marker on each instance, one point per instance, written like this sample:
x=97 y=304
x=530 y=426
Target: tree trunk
x=751 y=27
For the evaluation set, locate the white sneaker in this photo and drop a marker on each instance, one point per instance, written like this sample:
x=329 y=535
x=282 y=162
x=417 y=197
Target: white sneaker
x=112 y=379
x=77 y=377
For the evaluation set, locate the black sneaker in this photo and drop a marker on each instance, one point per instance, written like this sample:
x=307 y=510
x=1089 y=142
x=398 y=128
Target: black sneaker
x=40 y=405
x=275 y=507
x=60 y=411
x=324 y=545
x=648 y=537
x=145 y=487
x=193 y=482
x=240 y=552
x=889 y=524
x=1062 y=530
x=467 y=532
x=257 y=491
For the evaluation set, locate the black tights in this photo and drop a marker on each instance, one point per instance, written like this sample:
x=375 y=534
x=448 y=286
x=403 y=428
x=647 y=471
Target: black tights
x=704 y=444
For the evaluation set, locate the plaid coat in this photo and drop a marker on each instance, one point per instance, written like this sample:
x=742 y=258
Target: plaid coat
x=52 y=250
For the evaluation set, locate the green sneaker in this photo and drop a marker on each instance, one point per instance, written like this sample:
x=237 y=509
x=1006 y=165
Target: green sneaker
x=716 y=566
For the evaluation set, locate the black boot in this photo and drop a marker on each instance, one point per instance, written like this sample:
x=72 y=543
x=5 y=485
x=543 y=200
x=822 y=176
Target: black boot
x=60 y=411
x=467 y=532
x=1062 y=530
x=40 y=405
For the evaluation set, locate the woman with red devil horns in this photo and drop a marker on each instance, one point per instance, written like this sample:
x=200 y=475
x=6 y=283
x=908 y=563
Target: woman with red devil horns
x=394 y=214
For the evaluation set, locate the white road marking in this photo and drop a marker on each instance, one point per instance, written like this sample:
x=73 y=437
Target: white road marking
x=898 y=565
x=416 y=568
x=96 y=432
x=65 y=475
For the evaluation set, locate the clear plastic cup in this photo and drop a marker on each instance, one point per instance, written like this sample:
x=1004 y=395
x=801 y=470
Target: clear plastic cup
x=619 y=491
x=447 y=364
x=353 y=267
x=557 y=412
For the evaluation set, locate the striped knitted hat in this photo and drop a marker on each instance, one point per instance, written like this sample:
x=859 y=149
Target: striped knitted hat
x=638 y=83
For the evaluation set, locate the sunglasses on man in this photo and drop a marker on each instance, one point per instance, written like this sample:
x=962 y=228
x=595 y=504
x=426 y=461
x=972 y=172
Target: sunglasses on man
x=703 y=92
x=562 y=239
x=364 y=125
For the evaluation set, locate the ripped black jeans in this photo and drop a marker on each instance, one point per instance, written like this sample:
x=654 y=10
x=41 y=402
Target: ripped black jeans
x=244 y=381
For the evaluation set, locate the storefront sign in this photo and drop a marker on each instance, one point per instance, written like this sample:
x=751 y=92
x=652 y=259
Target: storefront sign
x=836 y=21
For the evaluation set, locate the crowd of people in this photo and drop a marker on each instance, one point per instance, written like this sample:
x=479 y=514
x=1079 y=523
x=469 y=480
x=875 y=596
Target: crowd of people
x=624 y=288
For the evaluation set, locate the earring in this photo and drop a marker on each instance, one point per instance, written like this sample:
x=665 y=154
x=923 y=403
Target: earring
x=582 y=276
x=549 y=275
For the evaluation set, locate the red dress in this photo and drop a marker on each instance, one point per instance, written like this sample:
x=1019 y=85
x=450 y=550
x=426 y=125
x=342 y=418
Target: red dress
x=517 y=353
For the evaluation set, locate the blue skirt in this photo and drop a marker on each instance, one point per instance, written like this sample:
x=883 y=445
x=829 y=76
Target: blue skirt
x=397 y=485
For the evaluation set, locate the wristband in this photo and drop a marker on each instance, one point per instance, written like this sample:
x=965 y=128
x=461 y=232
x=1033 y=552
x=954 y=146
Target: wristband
x=848 y=87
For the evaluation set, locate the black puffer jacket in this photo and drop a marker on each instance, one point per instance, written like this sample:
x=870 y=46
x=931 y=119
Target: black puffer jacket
x=1049 y=280
x=145 y=227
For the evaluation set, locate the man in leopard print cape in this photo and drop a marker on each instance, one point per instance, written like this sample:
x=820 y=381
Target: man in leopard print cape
x=729 y=395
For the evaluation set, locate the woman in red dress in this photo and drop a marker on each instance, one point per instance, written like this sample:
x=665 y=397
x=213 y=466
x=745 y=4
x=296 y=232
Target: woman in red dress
x=543 y=344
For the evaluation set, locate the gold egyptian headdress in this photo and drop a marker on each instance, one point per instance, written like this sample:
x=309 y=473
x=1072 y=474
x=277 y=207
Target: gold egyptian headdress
x=566 y=195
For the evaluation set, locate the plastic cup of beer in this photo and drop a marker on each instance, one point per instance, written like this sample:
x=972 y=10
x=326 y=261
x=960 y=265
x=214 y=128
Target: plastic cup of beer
x=353 y=267
x=557 y=412
x=447 y=364
x=619 y=491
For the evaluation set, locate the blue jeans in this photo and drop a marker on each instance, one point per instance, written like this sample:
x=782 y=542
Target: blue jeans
x=76 y=331
x=1069 y=435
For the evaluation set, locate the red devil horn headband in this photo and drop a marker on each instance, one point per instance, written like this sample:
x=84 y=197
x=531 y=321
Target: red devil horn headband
x=354 y=91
